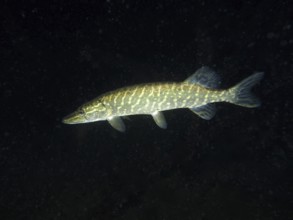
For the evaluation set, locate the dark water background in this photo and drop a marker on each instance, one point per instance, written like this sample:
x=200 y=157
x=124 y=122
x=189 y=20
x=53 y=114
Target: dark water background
x=55 y=55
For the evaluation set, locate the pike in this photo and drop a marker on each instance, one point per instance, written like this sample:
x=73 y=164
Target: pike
x=199 y=92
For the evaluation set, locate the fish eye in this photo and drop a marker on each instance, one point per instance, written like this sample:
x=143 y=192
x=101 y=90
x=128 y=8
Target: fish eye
x=80 y=111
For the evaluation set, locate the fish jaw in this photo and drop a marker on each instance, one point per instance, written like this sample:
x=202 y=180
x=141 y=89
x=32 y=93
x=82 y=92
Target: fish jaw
x=74 y=118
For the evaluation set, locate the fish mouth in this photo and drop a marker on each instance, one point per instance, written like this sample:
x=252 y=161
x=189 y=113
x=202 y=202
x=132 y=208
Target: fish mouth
x=66 y=119
x=72 y=118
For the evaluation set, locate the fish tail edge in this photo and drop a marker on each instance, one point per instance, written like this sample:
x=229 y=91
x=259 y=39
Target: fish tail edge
x=241 y=92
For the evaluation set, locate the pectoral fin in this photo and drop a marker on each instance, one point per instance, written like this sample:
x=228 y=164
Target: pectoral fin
x=160 y=119
x=117 y=123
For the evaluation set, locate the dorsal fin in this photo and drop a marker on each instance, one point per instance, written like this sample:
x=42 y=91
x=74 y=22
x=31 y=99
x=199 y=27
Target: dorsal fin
x=205 y=77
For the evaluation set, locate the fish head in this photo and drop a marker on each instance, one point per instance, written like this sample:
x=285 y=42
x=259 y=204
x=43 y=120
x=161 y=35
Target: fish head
x=87 y=113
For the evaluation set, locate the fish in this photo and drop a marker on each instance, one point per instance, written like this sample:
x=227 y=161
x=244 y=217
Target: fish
x=199 y=93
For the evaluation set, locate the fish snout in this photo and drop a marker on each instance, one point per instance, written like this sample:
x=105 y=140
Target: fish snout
x=73 y=118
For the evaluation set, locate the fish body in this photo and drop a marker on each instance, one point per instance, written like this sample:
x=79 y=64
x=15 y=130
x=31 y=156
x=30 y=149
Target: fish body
x=152 y=97
x=198 y=93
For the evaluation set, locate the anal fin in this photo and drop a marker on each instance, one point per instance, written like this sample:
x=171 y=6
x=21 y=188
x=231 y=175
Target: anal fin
x=206 y=112
x=160 y=120
x=117 y=123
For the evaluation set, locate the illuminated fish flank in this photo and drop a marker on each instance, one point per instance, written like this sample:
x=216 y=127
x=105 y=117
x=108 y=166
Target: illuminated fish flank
x=199 y=92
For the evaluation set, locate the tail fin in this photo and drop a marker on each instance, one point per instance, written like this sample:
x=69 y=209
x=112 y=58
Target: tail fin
x=241 y=94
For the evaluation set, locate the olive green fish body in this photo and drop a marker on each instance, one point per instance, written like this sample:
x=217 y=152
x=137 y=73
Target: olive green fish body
x=198 y=93
x=152 y=97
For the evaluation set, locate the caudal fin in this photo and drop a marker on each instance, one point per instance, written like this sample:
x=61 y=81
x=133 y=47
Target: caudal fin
x=241 y=94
